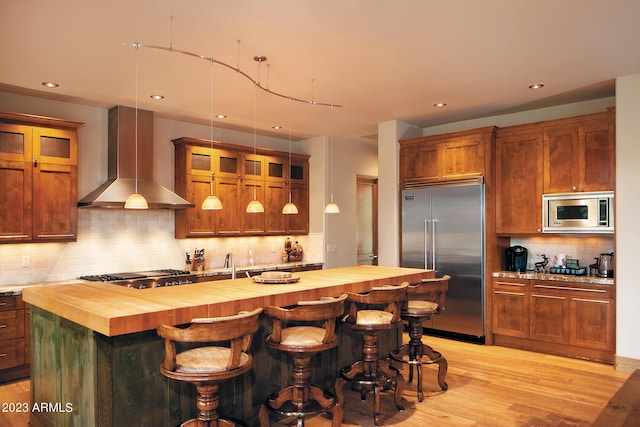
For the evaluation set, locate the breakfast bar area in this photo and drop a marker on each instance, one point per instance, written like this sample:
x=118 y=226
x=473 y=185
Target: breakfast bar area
x=96 y=354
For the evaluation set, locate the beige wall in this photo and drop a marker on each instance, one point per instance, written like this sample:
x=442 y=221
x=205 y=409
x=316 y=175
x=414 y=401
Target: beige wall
x=349 y=160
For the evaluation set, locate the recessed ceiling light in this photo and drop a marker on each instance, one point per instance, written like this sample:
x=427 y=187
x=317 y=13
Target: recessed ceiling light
x=221 y=116
x=536 y=86
x=440 y=104
x=157 y=97
x=50 y=84
x=276 y=127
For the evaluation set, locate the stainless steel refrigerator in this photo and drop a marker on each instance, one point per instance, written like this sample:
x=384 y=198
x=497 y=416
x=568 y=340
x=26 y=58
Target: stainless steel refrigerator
x=443 y=229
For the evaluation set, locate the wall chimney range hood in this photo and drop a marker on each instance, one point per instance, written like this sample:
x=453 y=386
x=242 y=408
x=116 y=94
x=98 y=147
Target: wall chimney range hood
x=122 y=165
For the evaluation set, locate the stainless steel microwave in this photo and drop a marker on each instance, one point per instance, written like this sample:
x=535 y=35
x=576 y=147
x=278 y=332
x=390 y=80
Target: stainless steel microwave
x=578 y=212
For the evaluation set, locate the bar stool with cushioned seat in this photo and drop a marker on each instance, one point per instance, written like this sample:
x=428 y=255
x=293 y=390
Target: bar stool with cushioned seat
x=370 y=314
x=424 y=300
x=206 y=366
x=295 y=332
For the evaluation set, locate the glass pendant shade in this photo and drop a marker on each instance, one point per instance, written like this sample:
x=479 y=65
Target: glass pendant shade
x=136 y=201
x=255 y=207
x=290 y=209
x=211 y=203
x=331 y=207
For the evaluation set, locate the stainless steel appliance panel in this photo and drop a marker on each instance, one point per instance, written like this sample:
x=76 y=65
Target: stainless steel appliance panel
x=443 y=229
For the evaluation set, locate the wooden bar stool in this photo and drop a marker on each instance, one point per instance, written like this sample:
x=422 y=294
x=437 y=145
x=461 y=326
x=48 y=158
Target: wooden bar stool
x=296 y=332
x=370 y=314
x=206 y=366
x=424 y=300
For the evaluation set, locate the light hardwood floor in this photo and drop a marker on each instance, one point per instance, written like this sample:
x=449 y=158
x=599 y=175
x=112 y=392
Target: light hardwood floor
x=488 y=386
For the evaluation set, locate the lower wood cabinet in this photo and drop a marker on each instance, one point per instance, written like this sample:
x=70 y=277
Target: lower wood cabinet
x=511 y=307
x=566 y=318
x=14 y=338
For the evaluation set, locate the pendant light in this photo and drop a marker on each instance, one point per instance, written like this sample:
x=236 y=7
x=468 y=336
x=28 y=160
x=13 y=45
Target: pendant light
x=255 y=206
x=211 y=202
x=290 y=208
x=332 y=207
x=136 y=200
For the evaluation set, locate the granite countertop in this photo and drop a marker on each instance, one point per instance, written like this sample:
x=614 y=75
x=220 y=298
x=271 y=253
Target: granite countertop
x=12 y=290
x=554 y=277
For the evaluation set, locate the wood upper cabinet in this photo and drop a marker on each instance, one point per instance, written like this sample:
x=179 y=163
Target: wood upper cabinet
x=38 y=179
x=557 y=156
x=447 y=157
x=235 y=173
x=579 y=155
x=518 y=181
x=298 y=224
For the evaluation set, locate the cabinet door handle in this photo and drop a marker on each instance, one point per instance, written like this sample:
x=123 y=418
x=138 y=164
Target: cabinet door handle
x=510 y=283
x=509 y=293
x=3 y=355
x=4 y=326
x=565 y=288
x=35 y=160
x=3 y=303
x=590 y=300
x=547 y=296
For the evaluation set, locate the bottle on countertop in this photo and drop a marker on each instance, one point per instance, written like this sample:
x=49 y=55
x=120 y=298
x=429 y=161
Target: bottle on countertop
x=296 y=252
x=287 y=249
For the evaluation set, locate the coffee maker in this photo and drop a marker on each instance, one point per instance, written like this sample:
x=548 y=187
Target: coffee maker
x=515 y=259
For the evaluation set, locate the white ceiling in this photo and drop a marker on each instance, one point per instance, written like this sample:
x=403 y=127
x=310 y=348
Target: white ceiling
x=380 y=59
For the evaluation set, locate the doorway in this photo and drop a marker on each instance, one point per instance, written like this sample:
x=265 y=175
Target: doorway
x=367 y=213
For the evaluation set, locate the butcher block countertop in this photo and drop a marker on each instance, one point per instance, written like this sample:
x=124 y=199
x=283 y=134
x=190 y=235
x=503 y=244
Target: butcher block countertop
x=117 y=310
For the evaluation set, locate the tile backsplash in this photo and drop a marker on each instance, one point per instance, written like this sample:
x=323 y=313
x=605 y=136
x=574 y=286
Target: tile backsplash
x=582 y=248
x=118 y=240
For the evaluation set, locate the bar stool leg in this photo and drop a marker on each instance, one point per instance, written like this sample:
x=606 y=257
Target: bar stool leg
x=300 y=394
x=367 y=368
x=415 y=349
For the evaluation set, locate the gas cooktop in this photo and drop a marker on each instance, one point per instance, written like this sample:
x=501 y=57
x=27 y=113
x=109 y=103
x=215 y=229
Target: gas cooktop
x=145 y=279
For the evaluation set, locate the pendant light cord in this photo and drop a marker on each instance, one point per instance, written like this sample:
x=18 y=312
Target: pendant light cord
x=255 y=122
x=211 y=118
x=289 y=149
x=331 y=154
x=137 y=50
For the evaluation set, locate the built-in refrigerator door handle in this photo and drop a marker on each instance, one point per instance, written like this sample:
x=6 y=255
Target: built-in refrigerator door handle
x=426 y=243
x=433 y=244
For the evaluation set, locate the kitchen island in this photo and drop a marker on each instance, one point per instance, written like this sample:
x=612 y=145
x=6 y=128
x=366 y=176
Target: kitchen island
x=96 y=355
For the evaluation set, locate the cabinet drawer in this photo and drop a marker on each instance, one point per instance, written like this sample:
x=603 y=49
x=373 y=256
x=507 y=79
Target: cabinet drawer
x=11 y=353
x=11 y=302
x=511 y=284
x=11 y=324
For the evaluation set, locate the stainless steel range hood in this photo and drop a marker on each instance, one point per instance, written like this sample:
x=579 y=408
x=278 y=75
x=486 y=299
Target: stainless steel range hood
x=122 y=165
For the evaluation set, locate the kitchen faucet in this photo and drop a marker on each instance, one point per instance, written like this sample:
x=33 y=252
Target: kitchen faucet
x=228 y=262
